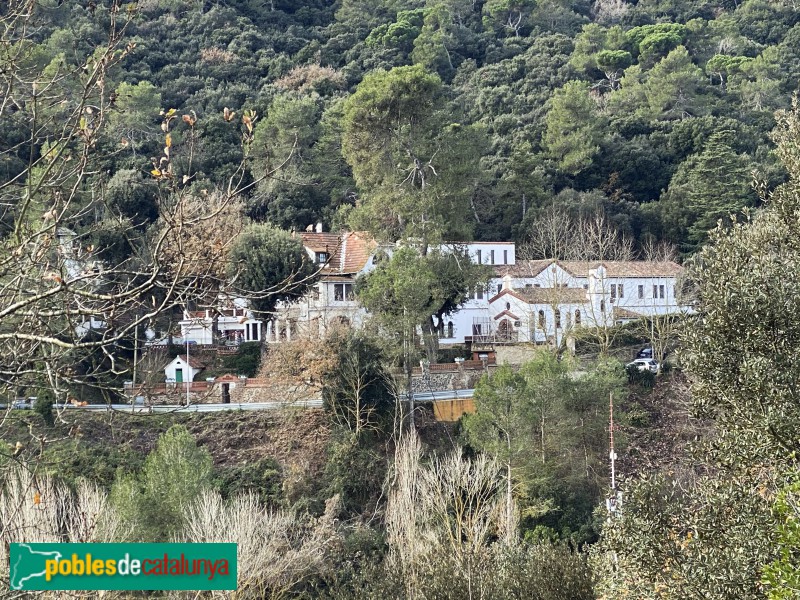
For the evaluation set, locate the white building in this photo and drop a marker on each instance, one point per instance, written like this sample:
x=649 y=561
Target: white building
x=232 y=323
x=341 y=257
x=182 y=369
x=525 y=301
x=539 y=301
x=455 y=328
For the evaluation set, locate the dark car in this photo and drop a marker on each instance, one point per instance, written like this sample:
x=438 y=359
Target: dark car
x=646 y=352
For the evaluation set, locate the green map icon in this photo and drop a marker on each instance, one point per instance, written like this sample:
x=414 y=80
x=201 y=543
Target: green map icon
x=28 y=564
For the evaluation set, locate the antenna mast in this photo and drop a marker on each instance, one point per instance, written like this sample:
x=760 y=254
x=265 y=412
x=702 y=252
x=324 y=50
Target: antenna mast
x=612 y=455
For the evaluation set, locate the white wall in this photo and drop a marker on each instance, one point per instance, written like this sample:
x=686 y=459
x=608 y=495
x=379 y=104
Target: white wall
x=179 y=363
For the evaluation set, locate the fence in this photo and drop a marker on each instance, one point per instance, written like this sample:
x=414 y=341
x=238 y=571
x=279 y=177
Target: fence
x=467 y=365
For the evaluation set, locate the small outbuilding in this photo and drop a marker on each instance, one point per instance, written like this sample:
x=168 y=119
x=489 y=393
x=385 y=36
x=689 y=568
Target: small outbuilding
x=182 y=369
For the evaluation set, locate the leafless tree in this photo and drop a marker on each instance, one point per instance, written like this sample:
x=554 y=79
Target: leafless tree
x=276 y=549
x=610 y=11
x=552 y=236
x=455 y=506
x=558 y=235
x=598 y=240
x=34 y=507
x=658 y=250
x=67 y=303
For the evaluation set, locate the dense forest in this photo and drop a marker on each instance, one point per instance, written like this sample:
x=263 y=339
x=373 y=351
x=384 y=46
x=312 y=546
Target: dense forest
x=156 y=154
x=656 y=113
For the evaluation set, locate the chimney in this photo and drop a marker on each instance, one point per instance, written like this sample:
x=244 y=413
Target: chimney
x=319 y=227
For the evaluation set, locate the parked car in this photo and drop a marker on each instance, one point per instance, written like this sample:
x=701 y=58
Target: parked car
x=23 y=403
x=646 y=352
x=644 y=364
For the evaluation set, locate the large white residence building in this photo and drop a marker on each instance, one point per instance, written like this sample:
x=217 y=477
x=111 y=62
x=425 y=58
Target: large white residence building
x=542 y=300
x=526 y=301
x=536 y=301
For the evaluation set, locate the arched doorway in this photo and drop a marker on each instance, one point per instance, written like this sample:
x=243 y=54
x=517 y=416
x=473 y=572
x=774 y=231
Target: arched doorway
x=505 y=330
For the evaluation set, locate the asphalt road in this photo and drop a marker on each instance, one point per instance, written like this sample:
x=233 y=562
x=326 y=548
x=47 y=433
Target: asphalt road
x=168 y=408
x=316 y=403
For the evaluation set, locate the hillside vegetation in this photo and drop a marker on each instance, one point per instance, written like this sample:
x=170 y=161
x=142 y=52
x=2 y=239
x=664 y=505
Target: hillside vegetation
x=158 y=154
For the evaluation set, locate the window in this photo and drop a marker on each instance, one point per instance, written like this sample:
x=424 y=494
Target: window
x=602 y=306
x=476 y=329
x=641 y=292
x=617 y=291
x=450 y=329
x=342 y=292
x=655 y=291
x=491 y=257
x=505 y=257
x=499 y=287
x=613 y=292
x=322 y=258
x=586 y=286
x=528 y=286
x=542 y=321
x=620 y=290
x=508 y=305
x=479 y=293
x=558 y=319
x=577 y=317
x=480 y=262
x=661 y=291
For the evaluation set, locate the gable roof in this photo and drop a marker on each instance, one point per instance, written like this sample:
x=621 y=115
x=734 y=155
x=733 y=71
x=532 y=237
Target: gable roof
x=506 y=313
x=540 y=295
x=191 y=361
x=348 y=252
x=581 y=268
x=624 y=313
x=553 y=295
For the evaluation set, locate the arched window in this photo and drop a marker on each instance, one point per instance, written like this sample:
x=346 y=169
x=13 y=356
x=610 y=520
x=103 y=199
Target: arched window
x=558 y=319
x=577 y=317
x=542 y=321
x=450 y=329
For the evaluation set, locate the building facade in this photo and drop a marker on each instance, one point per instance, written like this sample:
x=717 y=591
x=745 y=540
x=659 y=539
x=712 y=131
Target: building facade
x=537 y=301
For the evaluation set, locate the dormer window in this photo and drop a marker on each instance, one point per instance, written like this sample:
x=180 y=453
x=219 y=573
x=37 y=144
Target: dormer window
x=322 y=257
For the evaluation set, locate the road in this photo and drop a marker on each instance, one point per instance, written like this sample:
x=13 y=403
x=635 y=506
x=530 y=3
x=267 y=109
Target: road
x=315 y=403
x=168 y=408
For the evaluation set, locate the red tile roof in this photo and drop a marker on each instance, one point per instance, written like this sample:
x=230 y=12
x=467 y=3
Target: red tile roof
x=191 y=361
x=624 y=313
x=348 y=252
x=538 y=295
x=581 y=268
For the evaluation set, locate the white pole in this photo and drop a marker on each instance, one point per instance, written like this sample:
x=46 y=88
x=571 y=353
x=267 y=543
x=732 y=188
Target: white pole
x=188 y=370
x=612 y=455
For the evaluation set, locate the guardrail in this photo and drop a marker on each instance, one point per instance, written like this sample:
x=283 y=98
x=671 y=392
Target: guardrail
x=166 y=408
x=469 y=365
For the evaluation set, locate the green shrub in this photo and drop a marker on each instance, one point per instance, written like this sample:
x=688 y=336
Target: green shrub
x=448 y=355
x=152 y=502
x=43 y=406
x=523 y=571
x=262 y=477
x=645 y=378
x=354 y=471
x=246 y=361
